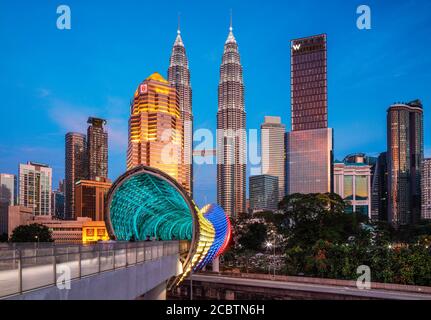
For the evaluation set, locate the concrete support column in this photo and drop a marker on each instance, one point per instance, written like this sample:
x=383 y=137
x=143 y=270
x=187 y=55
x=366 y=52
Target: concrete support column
x=157 y=293
x=216 y=264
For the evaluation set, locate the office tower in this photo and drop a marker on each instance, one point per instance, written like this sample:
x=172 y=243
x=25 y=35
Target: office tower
x=90 y=198
x=379 y=190
x=263 y=193
x=97 y=149
x=7 y=188
x=61 y=186
x=426 y=189
x=231 y=135
x=35 y=187
x=57 y=204
x=309 y=144
x=273 y=151
x=75 y=168
x=7 y=198
x=352 y=181
x=404 y=156
x=179 y=78
x=156 y=129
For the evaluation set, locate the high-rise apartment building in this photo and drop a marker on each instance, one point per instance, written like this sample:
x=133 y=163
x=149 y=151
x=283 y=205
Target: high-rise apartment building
x=156 y=129
x=352 y=181
x=273 y=151
x=263 y=193
x=90 y=198
x=309 y=145
x=97 y=149
x=179 y=78
x=75 y=168
x=404 y=158
x=35 y=187
x=231 y=134
x=426 y=189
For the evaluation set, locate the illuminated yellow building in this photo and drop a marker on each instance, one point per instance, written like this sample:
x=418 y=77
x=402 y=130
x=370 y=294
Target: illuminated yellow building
x=156 y=129
x=93 y=231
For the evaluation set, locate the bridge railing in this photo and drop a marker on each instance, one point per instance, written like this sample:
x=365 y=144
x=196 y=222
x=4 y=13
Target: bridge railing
x=26 y=267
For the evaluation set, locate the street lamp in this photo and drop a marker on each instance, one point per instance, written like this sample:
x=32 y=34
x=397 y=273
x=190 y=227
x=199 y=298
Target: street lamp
x=268 y=245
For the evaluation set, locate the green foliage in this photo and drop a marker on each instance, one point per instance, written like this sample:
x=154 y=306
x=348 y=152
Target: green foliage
x=253 y=237
x=313 y=217
x=31 y=233
x=320 y=239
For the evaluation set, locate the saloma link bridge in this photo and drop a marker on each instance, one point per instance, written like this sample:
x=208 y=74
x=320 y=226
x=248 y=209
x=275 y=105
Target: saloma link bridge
x=144 y=203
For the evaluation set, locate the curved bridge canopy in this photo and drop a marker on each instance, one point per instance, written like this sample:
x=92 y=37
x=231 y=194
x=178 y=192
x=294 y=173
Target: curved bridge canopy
x=144 y=203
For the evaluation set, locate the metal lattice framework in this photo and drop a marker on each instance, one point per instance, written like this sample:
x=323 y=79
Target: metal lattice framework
x=146 y=202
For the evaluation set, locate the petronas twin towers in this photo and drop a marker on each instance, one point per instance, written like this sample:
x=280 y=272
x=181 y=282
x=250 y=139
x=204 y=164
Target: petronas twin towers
x=231 y=135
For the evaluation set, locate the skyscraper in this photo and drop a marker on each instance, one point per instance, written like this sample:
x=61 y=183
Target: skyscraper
x=75 y=168
x=426 y=189
x=263 y=193
x=97 y=149
x=179 y=78
x=273 y=151
x=7 y=198
x=7 y=188
x=231 y=135
x=35 y=186
x=379 y=190
x=90 y=198
x=404 y=157
x=309 y=145
x=156 y=128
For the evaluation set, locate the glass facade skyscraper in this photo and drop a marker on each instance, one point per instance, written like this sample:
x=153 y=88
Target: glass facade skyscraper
x=273 y=151
x=379 y=189
x=404 y=158
x=309 y=145
x=263 y=192
x=308 y=83
x=7 y=198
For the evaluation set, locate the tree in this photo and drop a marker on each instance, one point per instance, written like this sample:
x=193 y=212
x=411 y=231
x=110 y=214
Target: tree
x=312 y=217
x=31 y=233
x=253 y=236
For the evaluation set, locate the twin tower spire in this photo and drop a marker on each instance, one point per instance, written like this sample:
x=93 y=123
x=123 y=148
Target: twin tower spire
x=231 y=123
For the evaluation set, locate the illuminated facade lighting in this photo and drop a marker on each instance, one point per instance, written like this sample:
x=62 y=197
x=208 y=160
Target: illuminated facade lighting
x=148 y=203
x=156 y=129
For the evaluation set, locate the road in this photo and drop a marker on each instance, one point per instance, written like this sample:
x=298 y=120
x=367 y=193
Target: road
x=295 y=286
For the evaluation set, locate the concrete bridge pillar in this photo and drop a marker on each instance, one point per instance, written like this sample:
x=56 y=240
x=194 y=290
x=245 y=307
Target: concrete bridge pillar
x=157 y=293
x=216 y=265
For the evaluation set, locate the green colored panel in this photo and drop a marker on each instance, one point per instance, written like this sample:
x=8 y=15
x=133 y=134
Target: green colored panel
x=145 y=205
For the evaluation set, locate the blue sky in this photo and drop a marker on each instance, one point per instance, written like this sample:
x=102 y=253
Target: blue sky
x=52 y=80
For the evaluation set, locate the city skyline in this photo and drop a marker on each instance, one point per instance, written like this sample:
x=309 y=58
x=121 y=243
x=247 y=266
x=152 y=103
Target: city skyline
x=369 y=89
